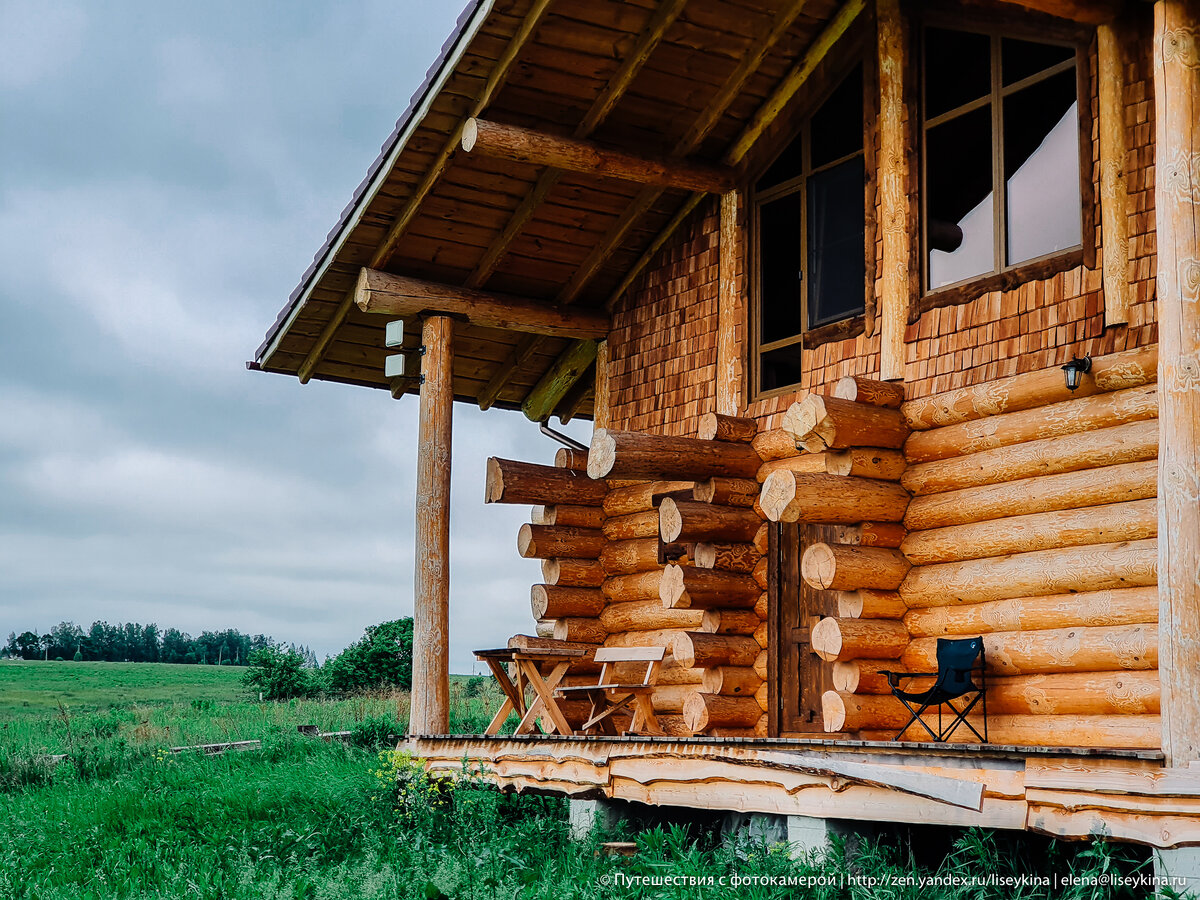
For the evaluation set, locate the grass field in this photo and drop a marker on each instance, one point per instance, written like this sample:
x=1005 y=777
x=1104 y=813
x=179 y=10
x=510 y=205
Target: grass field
x=122 y=818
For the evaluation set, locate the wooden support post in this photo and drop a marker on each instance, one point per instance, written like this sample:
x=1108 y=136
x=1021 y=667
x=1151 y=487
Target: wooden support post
x=431 y=597
x=894 y=160
x=1177 y=206
x=1114 y=194
x=600 y=405
x=729 y=359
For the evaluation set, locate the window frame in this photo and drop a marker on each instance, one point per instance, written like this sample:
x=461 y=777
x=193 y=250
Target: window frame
x=838 y=329
x=1006 y=276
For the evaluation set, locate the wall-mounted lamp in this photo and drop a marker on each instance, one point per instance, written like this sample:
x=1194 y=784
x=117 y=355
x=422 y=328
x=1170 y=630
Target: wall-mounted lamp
x=1075 y=369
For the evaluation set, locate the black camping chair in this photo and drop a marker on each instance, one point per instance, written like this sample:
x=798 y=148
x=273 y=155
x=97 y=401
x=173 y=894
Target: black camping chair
x=956 y=665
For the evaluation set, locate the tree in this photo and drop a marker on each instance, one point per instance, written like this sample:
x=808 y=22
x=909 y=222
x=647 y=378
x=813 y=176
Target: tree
x=279 y=674
x=381 y=658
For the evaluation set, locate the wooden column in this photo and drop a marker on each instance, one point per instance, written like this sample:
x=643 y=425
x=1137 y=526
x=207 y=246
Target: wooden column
x=1177 y=205
x=600 y=412
x=893 y=181
x=729 y=361
x=1114 y=195
x=431 y=596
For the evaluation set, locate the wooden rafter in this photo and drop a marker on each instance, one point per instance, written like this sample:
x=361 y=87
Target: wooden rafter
x=521 y=354
x=763 y=119
x=568 y=369
x=527 y=145
x=494 y=82
x=1086 y=12
x=402 y=296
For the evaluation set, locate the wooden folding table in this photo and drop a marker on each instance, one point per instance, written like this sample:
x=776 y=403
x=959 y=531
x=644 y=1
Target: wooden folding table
x=526 y=666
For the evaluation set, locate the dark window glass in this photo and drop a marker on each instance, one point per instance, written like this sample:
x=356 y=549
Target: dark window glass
x=957 y=69
x=1041 y=168
x=1020 y=59
x=789 y=165
x=836 y=264
x=782 y=367
x=837 y=127
x=781 y=254
x=958 y=208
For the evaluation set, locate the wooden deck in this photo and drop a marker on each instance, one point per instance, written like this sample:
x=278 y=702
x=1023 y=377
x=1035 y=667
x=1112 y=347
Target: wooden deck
x=1067 y=792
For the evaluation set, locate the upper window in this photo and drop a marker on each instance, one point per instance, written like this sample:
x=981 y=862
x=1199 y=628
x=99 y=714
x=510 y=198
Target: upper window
x=809 y=226
x=1001 y=154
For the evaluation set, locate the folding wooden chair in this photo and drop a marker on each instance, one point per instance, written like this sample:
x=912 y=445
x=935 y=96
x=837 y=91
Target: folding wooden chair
x=609 y=696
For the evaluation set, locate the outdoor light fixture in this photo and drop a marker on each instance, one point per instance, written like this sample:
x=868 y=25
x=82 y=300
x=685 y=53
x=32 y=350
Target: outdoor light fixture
x=1075 y=369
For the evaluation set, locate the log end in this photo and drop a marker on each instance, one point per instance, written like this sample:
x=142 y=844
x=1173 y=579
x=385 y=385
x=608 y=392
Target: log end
x=833 y=711
x=670 y=521
x=846 y=676
x=818 y=567
x=850 y=604
x=708 y=427
x=826 y=640
x=683 y=651
x=470 y=134
x=711 y=623
x=704 y=556
x=695 y=712
x=602 y=455
x=525 y=545
x=493 y=488
x=839 y=462
x=778 y=491
x=704 y=491
x=671 y=589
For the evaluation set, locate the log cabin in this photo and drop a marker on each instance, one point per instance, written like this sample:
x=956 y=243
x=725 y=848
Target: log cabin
x=887 y=318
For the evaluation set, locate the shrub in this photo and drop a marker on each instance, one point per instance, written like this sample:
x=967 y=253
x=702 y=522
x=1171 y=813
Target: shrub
x=375 y=732
x=279 y=674
x=381 y=658
x=78 y=657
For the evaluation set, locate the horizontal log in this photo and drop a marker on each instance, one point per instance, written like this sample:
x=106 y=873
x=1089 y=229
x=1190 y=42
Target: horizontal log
x=863 y=676
x=570 y=458
x=510 y=481
x=1127 y=606
x=881 y=534
x=869 y=604
x=835 y=639
x=585 y=631
x=729 y=621
x=731 y=681
x=1107 y=524
x=1045 y=493
x=762 y=574
x=648 y=615
x=626 y=454
x=848 y=567
x=1133 y=442
x=688 y=587
x=559 y=542
x=854 y=712
x=804 y=464
x=687 y=521
x=865 y=390
x=536 y=148
x=774 y=444
x=727 y=491
x=635 y=498
x=403 y=297
x=704 y=711
x=635 y=586
x=716 y=427
x=1091 y=732
x=573 y=572
x=760 y=664
x=574 y=516
x=551 y=601
x=761 y=636
x=866 y=462
x=831 y=499
x=831 y=423
x=632 y=526
x=663 y=637
x=1096 y=567
x=1056 y=420
x=1116 y=371
x=670 y=698
x=1119 y=693
x=585 y=664
x=740 y=557
x=627 y=557
x=693 y=649
x=1078 y=649
x=762 y=698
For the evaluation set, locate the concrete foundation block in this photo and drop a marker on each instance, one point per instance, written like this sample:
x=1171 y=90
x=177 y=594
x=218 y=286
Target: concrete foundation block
x=755 y=827
x=809 y=835
x=585 y=816
x=1182 y=868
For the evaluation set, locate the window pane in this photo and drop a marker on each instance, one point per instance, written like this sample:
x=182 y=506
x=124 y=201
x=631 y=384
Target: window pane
x=958 y=176
x=836 y=267
x=789 y=164
x=958 y=69
x=1020 y=59
x=837 y=127
x=779 y=247
x=1041 y=168
x=782 y=367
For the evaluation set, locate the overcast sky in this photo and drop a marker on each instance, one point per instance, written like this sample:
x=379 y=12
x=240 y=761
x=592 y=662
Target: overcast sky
x=167 y=171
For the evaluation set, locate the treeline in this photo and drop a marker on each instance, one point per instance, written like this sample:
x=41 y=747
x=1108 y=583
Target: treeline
x=134 y=642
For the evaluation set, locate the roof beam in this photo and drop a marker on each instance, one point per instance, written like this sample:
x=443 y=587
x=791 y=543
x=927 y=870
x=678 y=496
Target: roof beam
x=763 y=119
x=1086 y=12
x=495 y=81
x=521 y=354
x=568 y=408
x=526 y=145
x=650 y=38
x=398 y=295
x=570 y=366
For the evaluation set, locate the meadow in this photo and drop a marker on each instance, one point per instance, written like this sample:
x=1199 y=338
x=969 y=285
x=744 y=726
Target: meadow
x=121 y=817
